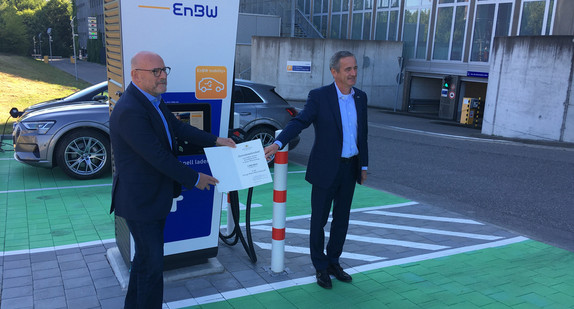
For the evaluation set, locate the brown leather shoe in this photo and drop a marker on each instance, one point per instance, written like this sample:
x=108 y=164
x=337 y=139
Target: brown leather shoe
x=337 y=271
x=323 y=279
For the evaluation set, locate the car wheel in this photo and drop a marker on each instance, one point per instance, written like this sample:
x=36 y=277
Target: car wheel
x=84 y=154
x=265 y=134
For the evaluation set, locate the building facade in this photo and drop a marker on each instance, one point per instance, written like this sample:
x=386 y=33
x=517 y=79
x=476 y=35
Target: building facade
x=84 y=10
x=447 y=43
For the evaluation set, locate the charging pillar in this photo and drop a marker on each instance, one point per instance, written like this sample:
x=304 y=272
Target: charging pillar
x=197 y=40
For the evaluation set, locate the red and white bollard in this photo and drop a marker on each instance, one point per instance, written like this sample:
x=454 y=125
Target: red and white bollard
x=279 y=202
x=230 y=222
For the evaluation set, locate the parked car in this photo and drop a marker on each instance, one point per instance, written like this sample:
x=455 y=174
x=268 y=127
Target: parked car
x=75 y=135
x=97 y=92
x=261 y=111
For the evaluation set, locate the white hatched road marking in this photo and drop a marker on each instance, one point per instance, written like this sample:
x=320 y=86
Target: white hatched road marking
x=373 y=240
x=311 y=279
x=424 y=230
x=422 y=217
x=305 y=250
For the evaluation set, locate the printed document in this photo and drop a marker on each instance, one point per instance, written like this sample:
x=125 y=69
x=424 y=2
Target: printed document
x=238 y=168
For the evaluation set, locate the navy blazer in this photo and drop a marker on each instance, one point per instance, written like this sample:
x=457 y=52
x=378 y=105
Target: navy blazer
x=147 y=171
x=322 y=110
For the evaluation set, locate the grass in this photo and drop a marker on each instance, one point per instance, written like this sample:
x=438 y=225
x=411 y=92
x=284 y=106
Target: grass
x=26 y=81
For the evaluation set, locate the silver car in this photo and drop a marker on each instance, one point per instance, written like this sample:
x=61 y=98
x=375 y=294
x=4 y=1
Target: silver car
x=75 y=136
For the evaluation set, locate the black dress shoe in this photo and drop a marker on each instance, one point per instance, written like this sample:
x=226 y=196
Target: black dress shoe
x=323 y=279
x=337 y=271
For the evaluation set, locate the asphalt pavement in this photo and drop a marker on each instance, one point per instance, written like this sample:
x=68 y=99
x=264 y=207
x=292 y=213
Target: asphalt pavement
x=87 y=71
x=57 y=235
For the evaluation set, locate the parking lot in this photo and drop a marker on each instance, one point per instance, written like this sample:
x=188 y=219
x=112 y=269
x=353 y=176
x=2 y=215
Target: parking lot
x=56 y=232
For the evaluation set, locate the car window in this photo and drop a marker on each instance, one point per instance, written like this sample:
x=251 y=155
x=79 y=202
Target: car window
x=245 y=95
x=87 y=93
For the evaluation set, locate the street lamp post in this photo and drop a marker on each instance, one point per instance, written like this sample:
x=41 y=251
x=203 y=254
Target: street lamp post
x=40 y=43
x=49 y=31
x=74 y=44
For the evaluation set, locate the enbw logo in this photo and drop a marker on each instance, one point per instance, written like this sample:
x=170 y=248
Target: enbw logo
x=197 y=10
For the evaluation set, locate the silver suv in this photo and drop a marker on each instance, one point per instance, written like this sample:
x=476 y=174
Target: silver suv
x=75 y=135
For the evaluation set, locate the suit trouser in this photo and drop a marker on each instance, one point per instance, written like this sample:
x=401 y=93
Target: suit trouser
x=340 y=195
x=145 y=288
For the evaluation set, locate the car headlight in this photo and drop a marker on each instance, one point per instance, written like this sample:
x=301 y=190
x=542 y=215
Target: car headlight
x=41 y=126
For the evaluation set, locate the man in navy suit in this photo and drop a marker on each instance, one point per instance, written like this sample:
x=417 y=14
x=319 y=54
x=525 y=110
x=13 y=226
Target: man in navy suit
x=148 y=174
x=338 y=159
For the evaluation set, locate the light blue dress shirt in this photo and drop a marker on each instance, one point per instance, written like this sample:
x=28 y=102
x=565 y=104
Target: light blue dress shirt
x=155 y=101
x=349 y=123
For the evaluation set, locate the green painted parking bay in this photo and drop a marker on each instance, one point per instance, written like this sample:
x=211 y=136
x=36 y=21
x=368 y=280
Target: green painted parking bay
x=44 y=208
x=527 y=274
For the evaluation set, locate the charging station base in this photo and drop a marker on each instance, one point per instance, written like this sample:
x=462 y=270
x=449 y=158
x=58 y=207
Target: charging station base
x=212 y=266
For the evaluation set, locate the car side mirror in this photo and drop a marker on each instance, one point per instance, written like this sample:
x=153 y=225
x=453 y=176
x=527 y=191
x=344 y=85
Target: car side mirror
x=100 y=98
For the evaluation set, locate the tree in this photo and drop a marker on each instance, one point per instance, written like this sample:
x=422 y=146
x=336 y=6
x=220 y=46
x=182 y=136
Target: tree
x=22 y=5
x=56 y=14
x=12 y=31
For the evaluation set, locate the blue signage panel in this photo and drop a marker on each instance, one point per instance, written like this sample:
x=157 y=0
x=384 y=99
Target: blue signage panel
x=299 y=66
x=477 y=74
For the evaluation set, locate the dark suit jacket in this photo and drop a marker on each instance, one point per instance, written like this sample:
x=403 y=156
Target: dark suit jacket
x=322 y=110
x=147 y=171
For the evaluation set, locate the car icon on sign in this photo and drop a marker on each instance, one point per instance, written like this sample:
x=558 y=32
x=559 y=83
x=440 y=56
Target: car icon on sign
x=210 y=83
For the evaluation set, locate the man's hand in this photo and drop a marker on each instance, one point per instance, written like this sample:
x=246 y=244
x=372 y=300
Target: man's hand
x=206 y=180
x=363 y=176
x=271 y=150
x=222 y=141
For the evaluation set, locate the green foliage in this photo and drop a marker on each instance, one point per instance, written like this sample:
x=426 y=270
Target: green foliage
x=12 y=31
x=56 y=14
x=22 y=5
x=23 y=24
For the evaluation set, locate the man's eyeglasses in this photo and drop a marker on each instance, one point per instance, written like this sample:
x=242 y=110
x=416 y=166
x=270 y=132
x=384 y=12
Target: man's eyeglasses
x=157 y=71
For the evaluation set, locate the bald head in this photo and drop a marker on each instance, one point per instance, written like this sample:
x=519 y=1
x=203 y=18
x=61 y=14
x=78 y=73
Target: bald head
x=142 y=65
x=143 y=57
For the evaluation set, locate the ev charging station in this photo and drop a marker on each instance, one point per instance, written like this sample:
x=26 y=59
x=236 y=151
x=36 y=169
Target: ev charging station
x=197 y=40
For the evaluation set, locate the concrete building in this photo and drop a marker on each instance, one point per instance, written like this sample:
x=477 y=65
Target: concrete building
x=447 y=45
x=447 y=52
x=84 y=10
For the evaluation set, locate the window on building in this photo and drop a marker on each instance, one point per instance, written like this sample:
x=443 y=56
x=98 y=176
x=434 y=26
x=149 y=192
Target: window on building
x=304 y=6
x=486 y=13
x=387 y=20
x=450 y=30
x=536 y=17
x=415 y=28
x=320 y=14
x=335 y=27
x=361 y=24
x=339 y=19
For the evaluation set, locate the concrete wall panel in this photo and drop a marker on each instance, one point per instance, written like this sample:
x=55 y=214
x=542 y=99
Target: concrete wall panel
x=528 y=87
x=377 y=62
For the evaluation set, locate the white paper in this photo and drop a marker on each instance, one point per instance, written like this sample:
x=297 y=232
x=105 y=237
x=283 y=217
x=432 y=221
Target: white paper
x=238 y=168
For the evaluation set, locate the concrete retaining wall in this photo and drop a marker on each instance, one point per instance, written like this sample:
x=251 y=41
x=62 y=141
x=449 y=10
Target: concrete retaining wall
x=377 y=61
x=530 y=89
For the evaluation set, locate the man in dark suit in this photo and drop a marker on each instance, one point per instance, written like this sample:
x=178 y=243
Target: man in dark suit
x=148 y=174
x=338 y=159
